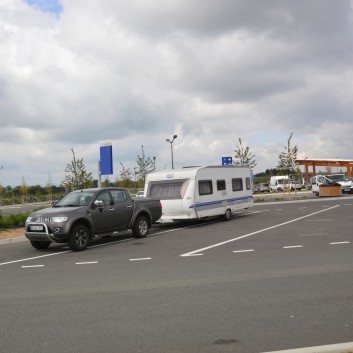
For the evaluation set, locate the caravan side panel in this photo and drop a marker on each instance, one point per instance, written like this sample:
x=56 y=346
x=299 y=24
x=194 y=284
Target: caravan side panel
x=220 y=189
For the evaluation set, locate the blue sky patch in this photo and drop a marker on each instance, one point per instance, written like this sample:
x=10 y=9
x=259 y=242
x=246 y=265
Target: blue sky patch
x=46 y=5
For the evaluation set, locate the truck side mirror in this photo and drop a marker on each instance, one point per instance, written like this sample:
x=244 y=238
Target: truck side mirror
x=99 y=203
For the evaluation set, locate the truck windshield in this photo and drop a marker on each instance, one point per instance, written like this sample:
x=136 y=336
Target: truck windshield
x=75 y=199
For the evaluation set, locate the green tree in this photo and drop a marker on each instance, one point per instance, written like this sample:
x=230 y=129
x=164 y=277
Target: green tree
x=125 y=176
x=243 y=156
x=288 y=157
x=144 y=166
x=76 y=175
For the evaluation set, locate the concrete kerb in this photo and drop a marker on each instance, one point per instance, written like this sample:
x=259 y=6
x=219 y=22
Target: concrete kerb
x=333 y=348
x=12 y=240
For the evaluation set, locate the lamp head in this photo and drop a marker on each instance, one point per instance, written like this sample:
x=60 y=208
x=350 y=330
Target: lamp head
x=175 y=136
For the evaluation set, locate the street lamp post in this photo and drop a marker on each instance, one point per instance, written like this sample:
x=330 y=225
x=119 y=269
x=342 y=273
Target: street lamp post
x=171 y=147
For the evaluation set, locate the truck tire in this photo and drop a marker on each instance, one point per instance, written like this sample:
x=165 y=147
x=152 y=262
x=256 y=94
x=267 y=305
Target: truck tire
x=227 y=215
x=141 y=227
x=79 y=238
x=40 y=245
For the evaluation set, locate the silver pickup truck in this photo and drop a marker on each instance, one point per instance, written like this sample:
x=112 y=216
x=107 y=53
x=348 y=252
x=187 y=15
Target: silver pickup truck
x=82 y=214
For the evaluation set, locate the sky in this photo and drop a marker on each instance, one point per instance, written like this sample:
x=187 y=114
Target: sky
x=75 y=74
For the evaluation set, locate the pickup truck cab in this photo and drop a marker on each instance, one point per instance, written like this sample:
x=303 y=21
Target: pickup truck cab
x=83 y=214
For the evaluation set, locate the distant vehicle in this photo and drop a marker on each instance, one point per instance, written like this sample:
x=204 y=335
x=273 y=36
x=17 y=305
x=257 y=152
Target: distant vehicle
x=139 y=194
x=295 y=185
x=279 y=183
x=262 y=187
x=82 y=214
x=198 y=192
x=346 y=184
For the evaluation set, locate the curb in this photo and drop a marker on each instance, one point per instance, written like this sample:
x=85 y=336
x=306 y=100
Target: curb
x=333 y=348
x=12 y=240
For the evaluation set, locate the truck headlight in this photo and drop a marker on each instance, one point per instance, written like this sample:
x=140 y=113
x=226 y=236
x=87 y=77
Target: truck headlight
x=59 y=219
x=28 y=219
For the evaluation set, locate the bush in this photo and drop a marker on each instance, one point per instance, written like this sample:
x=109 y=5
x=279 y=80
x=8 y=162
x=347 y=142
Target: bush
x=13 y=220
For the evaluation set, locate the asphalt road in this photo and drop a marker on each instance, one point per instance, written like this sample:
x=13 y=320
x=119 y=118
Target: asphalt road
x=276 y=276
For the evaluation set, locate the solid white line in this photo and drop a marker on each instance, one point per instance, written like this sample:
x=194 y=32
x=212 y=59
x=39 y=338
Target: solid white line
x=141 y=259
x=34 y=258
x=292 y=246
x=32 y=266
x=244 y=250
x=257 y=232
x=86 y=263
x=340 y=242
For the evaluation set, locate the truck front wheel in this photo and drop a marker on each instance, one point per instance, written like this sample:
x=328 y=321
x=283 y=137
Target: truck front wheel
x=141 y=227
x=79 y=238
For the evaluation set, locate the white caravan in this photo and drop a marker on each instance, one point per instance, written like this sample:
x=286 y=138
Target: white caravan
x=197 y=192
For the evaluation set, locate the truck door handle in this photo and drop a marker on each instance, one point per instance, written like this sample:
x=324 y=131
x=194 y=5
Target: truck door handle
x=111 y=209
x=128 y=206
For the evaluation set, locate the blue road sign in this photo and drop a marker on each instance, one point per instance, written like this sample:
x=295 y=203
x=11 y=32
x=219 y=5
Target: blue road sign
x=106 y=159
x=227 y=160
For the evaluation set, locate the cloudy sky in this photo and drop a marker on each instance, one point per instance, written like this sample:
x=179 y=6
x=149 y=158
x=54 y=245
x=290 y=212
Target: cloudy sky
x=79 y=73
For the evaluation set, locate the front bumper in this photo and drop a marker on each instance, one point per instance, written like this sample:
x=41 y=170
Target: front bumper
x=43 y=232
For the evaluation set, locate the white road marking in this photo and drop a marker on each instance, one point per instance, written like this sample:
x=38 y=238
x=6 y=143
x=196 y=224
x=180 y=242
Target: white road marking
x=33 y=266
x=86 y=263
x=257 y=232
x=292 y=246
x=340 y=242
x=248 y=250
x=33 y=258
x=141 y=259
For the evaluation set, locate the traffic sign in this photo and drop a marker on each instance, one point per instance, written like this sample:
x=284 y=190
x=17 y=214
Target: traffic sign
x=227 y=160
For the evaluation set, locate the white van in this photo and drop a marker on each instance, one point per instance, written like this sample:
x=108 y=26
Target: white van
x=341 y=179
x=198 y=192
x=280 y=182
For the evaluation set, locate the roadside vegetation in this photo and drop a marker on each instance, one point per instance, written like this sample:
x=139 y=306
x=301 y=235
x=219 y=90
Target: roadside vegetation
x=13 y=220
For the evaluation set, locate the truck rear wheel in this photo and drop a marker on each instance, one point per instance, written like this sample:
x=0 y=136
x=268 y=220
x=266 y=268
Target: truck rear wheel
x=79 y=238
x=40 y=245
x=141 y=227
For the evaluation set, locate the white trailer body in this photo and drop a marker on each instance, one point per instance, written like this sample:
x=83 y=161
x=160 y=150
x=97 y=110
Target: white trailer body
x=198 y=192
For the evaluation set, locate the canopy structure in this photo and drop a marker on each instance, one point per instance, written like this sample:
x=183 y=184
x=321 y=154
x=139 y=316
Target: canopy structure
x=346 y=163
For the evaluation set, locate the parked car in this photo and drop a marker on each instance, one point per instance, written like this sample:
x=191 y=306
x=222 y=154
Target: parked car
x=295 y=185
x=139 y=194
x=263 y=187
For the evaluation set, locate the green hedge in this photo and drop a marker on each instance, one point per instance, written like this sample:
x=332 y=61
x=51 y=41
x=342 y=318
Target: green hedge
x=13 y=220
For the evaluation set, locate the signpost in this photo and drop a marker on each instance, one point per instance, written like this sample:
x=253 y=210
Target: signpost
x=105 y=164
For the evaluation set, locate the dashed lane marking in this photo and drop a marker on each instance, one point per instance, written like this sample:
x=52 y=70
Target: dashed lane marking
x=141 y=259
x=87 y=263
x=292 y=246
x=340 y=242
x=247 y=250
x=32 y=266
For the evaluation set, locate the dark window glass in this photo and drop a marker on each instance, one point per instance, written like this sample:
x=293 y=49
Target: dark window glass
x=237 y=184
x=205 y=187
x=221 y=185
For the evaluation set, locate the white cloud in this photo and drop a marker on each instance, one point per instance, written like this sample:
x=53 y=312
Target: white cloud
x=136 y=72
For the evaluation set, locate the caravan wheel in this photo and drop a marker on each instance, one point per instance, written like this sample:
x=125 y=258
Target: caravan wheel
x=227 y=215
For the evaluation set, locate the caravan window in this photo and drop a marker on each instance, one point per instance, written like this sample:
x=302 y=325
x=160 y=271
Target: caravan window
x=168 y=190
x=237 y=184
x=248 y=183
x=221 y=185
x=205 y=187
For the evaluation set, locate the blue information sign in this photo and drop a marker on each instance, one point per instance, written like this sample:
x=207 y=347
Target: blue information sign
x=227 y=160
x=106 y=159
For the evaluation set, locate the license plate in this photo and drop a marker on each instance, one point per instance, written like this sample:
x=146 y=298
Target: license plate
x=36 y=228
